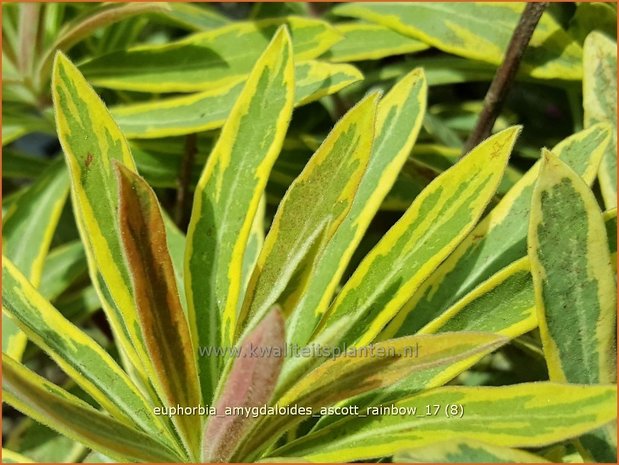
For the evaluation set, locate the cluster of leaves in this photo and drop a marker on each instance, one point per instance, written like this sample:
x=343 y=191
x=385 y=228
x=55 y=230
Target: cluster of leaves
x=331 y=208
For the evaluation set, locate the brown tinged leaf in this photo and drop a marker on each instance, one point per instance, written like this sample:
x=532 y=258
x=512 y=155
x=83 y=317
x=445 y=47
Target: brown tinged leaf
x=162 y=320
x=250 y=383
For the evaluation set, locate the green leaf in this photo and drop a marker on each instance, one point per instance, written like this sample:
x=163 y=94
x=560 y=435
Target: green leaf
x=29 y=224
x=80 y=112
x=27 y=231
x=9 y=456
x=200 y=17
x=21 y=166
x=465 y=451
x=567 y=229
x=76 y=353
x=503 y=304
x=63 y=266
x=439 y=218
x=441 y=70
x=576 y=310
x=164 y=326
x=600 y=104
x=610 y=220
x=250 y=385
x=523 y=415
x=364 y=41
x=209 y=109
x=364 y=369
x=227 y=198
x=43 y=444
x=310 y=214
x=479 y=31
x=593 y=16
x=54 y=407
x=398 y=121
x=84 y=25
x=16 y=124
x=498 y=240
x=219 y=57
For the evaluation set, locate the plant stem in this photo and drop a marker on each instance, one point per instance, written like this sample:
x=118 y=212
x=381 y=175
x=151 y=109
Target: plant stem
x=184 y=178
x=505 y=74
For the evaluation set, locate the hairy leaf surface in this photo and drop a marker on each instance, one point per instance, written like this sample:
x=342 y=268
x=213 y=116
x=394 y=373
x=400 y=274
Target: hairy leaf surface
x=398 y=121
x=227 y=198
x=498 y=240
x=439 y=218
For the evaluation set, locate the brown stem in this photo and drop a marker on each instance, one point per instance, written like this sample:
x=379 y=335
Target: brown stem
x=184 y=179
x=505 y=74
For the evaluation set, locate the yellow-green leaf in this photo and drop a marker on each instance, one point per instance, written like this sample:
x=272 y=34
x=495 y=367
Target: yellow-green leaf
x=439 y=218
x=209 y=109
x=91 y=140
x=56 y=408
x=398 y=121
x=600 y=103
x=363 y=41
x=27 y=231
x=479 y=31
x=9 y=456
x=465 y=451
x=227 y=198
x=84 y=25
x=503 y=304
x=218 y=57
x=63 y=265
x=575 y=290
x=523 y=415
x=75 y=352
x=310 y=214
x=365 y=369
x=576 y=309
x=498 y=240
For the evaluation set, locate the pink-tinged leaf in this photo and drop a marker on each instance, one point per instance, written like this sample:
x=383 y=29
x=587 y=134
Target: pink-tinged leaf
x=162 y=320
x=251 y=382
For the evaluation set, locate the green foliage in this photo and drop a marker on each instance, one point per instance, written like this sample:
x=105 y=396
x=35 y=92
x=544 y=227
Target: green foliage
x=265 y=207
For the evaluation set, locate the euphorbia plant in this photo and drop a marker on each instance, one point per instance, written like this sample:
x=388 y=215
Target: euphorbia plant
x=167 y=297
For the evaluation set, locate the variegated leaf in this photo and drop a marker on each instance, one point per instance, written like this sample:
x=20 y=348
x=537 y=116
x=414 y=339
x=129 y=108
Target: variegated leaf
x=366 y=369
x=227 y=198
x=364 y=41
x=463 y=29
x=398 y=121
x=209 y=109
x=575 y=290
x=439 y=218
x=76 y=353
x=498 y=240
x=79 y=112
x=310 y=214
x=523 y=415
x=465 y=451
x=600 y=103
x=54 y=407
x=28 y=227
x=218 y=57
